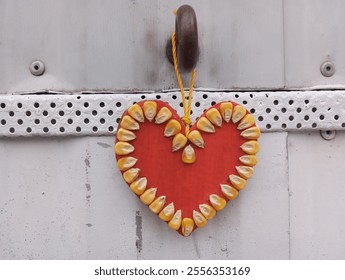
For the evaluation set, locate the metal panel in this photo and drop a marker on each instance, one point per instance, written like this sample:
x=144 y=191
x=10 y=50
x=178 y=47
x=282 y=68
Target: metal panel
x=98 y=114
x=317 y=196
x=314 y=33
x=120 y=45
x=63 y=198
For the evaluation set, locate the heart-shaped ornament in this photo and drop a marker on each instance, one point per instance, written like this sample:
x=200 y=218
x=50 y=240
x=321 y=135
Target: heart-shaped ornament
x=186 y=175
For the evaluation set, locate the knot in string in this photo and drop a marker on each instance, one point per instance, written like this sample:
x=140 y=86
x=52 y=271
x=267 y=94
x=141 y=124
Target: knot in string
x=186 y=120
x=186 y=107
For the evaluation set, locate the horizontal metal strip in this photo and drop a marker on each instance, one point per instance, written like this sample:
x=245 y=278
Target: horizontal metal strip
x=98 y=114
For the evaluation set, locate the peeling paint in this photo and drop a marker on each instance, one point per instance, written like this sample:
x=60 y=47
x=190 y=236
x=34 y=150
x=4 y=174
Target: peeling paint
x=89 y=225
x=104 y=145
x=88 y=187
x=225 y=250
x=87 y=162
x=139 y=232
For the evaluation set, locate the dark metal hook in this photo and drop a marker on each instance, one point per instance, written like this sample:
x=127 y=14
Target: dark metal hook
x=186 y=38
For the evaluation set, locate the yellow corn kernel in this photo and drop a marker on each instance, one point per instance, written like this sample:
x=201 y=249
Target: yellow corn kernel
x=247 y=121
x=252 y=133
x=178 y=142
x=229 y=192
x=217 y=202
x=238 y=113
x=245 y=171
x=150 y=109
x=126 y=162
x=163 y=115
x=238 y=182
x=207 y=210
x=168 y=212
x=214 y=117
x=175 y=222
x=199 y=219
x=205 y=125
x=249 y=160
x=187 y=226
x=128 y=122
x=172 y=128
x=157 y=205
x=136 y=112
x=195 y=137
x=148 y=196
x=226 y=111
x=250 y=147
x=125 y=135
x=131 y=174
x=123 y=148
x=188 y=154
x=139 y=186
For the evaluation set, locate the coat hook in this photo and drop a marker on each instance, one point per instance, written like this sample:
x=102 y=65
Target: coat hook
x=186 y=38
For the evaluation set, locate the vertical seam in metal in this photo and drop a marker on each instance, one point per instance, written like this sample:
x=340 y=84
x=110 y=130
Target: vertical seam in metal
x=288 y=192
x=284 y=49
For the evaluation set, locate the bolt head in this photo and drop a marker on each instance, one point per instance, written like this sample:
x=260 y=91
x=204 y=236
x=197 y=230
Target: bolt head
x=327 y=69
x=37 y=68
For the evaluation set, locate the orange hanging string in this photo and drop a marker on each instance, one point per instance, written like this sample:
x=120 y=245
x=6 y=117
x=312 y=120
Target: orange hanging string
x=186 y=107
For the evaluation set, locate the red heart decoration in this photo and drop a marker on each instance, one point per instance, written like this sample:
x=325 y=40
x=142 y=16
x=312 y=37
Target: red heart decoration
x=145 y=157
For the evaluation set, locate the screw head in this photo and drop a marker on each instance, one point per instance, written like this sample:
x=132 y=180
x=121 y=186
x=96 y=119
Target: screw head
x=37 y=68
x=328 y=134
x=327 y=69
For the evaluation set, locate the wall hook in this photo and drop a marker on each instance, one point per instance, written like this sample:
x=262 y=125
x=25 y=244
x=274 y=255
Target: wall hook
x=186 y=38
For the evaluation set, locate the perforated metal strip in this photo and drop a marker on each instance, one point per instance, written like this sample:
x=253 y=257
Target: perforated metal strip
x=98 y=114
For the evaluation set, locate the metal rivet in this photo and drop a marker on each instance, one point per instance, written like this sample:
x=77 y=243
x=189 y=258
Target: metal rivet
x=327 y=69
x=328 y=134
x=37 y=68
